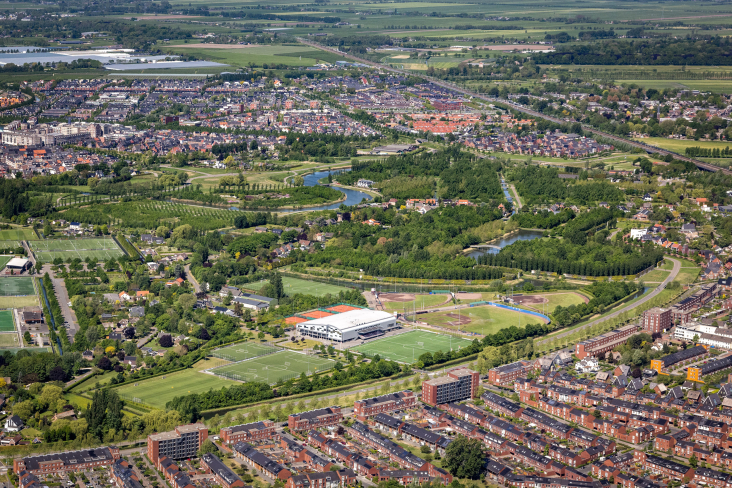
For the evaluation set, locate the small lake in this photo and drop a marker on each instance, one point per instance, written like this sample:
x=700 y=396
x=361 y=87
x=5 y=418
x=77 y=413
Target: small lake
x=353 y=197
x=521 y=235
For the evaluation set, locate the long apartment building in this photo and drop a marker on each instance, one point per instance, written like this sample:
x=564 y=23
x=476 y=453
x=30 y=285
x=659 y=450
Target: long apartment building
x=223 y=475
x=682 y=356
x=314 y=419
x=383 y=404
x=508 y=373
x=182 y=442
x=255 y=431
x=64 y=462
x=605 y=342
x=459 y=384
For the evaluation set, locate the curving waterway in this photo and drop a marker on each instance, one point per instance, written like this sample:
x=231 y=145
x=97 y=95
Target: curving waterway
x=353 y=197
x=521 y=235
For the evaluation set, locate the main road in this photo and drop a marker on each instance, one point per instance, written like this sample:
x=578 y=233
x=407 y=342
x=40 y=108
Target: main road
x=520 y=108
x=648 y=296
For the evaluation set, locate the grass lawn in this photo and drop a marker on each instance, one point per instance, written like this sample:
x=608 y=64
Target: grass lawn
x=6 y=321
x=90 y=384
x=420 y=301
x=655 y=276
x=157 y=391
x=484 y=319
x=18 y=302
x=100 y=249
x=297 y=285
x=299 y=55
x=4 y=259
x=77 y=400
x=275 y=367
x=407 y=347
x=9 y=340
x=299 y=345
x=18 y=234
x=688 y=275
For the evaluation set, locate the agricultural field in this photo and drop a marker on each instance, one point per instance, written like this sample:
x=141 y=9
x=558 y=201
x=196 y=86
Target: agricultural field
x=680 y=145
x=244 y=55
x=148 y=214
x=20 y=286
x=275 y=367
x=297 y=285
x=100 y=249
x=481 y=320
x=244 y=350
x=407 y=347
x=157 y=391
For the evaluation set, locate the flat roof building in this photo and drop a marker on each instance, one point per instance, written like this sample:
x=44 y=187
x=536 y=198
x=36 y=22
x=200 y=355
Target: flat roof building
x=182 y=442
x=348 y=326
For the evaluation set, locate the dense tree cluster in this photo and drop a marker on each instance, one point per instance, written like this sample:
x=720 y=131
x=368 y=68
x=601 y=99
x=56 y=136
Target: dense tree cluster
x=537 y=184
x=543 y=219
x=563 y=256
x=713 y=51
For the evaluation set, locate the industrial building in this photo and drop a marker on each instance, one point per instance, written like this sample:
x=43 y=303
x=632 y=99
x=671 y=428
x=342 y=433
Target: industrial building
x=348 y=326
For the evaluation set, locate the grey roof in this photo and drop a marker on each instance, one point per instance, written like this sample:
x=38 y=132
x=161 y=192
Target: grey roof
x=99 y=454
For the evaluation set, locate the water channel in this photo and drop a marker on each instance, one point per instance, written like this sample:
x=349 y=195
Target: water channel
x=521 y=235
x=353 y=197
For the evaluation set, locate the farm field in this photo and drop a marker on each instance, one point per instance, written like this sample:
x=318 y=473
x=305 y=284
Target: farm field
x=482 y=319
x=407 y=347
x=297 y=285
x=680 y=145
x=244 y=350
x=18 y=234
x=8 y=340
x=275 y=367
x=16 y=286
x=157 y=391
x=6 y=321
x=97 y=248
x=258 y=55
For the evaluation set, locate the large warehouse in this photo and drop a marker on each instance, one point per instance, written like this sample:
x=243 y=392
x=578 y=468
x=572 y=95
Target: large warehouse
x=347 y=326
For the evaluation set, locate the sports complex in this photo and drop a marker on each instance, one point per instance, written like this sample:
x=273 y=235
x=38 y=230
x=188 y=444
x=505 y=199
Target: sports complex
x=99 y=249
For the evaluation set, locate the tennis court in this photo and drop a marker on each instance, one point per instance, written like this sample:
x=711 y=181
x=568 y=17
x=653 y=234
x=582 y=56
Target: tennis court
x=20 y=286
x=270 y=369
x=6 y=321
x=18 y=234
x=244 y=350
x=96 y=248
x=407 y=347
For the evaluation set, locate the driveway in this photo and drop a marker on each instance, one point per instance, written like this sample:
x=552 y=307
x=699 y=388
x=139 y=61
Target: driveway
x=191 y=279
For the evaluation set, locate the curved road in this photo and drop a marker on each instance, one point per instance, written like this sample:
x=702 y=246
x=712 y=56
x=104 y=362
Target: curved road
x=519 y=108
x=627 y=308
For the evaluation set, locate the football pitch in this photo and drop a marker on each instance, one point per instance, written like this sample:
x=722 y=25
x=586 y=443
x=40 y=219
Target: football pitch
x=245 y=350
x=274 y=367
x=407 y=347
x=21 y=286
x=296 y=285
x=158 y=391
x=18 y=235
x=97 y=248
x=6 y=321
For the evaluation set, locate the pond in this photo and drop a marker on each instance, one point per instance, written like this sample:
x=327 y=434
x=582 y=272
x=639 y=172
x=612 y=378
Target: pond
x=353 y=197
x=521 y=235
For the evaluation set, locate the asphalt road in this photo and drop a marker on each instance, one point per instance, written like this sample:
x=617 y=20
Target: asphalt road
x=629 y=307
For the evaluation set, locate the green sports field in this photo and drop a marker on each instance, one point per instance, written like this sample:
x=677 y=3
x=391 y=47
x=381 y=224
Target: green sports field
x=157 y=391
x=482 y=319
x=407 y=347
x=4 y=260
x=97 y=248
x=6 y=321
x=296 y=285
x=18 y=234
x=245 y=350
x=275 y=367
x=21 y=286
x=420 y=302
